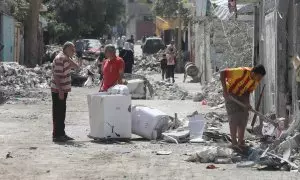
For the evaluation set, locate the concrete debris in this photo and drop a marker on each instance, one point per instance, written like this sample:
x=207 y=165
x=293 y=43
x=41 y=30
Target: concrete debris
x=213 y=92
x=147 y=64
x=169 y=91
x=177 y=136
x=245 y=164
x=211 y=154
x=18 y=81
x=211 y=167
x=51 y=52
x=217 y=116
x=198 y=97
x=163 y=152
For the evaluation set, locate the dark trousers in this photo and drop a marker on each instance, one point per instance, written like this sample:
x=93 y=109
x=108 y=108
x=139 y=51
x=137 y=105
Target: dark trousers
x=163 y=72
x=170 y=71
x=59 y=114
x=128 y=68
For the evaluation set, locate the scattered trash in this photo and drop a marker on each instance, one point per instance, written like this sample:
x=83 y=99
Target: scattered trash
x=245 y=164
x=176 y=136
x=163 y=152
x=8 y=155
x=204 y=103
x=196 y=126
x=209 y=154
x=221 y=160
x=197 y=140
x=211 y=167
x=198 y=97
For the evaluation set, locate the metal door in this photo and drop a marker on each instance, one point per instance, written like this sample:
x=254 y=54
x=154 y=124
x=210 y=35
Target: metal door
x=8 y=38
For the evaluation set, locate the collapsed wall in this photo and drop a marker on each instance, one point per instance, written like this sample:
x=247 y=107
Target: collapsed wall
x=231 y=43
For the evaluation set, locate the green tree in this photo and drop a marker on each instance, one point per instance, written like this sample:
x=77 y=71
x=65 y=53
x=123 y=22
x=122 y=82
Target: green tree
x=172 y=8
x=87 y=18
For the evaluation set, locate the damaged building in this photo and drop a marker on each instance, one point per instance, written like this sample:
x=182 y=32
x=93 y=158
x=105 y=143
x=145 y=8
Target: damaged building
x=276 y=39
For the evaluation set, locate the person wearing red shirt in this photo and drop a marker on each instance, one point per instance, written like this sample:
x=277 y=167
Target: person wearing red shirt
x=112 y=69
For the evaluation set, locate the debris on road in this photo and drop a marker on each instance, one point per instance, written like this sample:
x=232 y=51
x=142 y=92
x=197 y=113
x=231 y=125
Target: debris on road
x=147 y=64
x=169 y=91
x=8 y=155
x=213 y=91
x=211 y=167
x=210 y=154
x=163 y=152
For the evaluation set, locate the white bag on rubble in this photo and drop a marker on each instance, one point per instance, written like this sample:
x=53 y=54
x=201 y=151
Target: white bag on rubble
x=119 y=89
x=149 y=123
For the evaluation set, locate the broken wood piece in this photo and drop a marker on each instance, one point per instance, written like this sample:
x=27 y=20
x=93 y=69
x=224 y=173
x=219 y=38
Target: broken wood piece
x=257 y=106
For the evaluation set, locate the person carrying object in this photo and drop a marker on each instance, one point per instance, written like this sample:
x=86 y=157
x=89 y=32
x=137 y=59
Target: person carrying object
x=238 y=83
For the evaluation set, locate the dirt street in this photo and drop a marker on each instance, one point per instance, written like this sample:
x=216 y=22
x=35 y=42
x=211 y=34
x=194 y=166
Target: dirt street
x=25 y=132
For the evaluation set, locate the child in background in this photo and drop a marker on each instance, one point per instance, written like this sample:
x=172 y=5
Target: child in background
x=163 y=66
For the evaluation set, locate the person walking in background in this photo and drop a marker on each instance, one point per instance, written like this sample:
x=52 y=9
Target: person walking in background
x=120 y=44
x=60 y=87
x=128 y=57
x=100 y=60
x=131 y=40
x=171 y=61
x=171 y=65
x=163 y=66
x=79 y=45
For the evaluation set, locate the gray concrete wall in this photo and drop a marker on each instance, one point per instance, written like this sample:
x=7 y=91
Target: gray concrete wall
x=270 y=63
x=135 y=12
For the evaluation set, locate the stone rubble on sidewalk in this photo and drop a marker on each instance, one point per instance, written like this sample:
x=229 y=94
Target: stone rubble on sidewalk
x=213 y=92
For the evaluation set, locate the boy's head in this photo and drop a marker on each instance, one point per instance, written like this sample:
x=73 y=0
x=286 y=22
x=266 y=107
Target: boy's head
x=258 y=72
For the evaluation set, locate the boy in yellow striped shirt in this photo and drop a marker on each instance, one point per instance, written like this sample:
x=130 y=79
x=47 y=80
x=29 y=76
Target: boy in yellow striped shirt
x=239 y=83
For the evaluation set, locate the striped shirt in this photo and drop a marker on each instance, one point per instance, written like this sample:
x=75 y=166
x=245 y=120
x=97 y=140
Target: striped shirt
x=61 y=68
x=239 y=81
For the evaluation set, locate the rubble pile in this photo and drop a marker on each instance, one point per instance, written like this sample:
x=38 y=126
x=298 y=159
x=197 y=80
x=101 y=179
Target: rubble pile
x=147 y=64
x=213 y=92
x=16 y=80
x=231 y=43
x=169 y=91
x=51 y=52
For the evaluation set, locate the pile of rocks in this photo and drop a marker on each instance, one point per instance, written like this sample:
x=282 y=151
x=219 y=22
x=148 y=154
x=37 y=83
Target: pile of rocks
x=17 y=80
x=213 y=92
x=51 y=52
x=168 y=91
x=147 y=64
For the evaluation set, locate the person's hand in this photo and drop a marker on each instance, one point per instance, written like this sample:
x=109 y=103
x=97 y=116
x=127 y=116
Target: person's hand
x=225 y=94
x=61 y=95
x=249 y=107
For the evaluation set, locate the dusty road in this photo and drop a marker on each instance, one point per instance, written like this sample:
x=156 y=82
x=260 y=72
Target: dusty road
x=25 y=131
